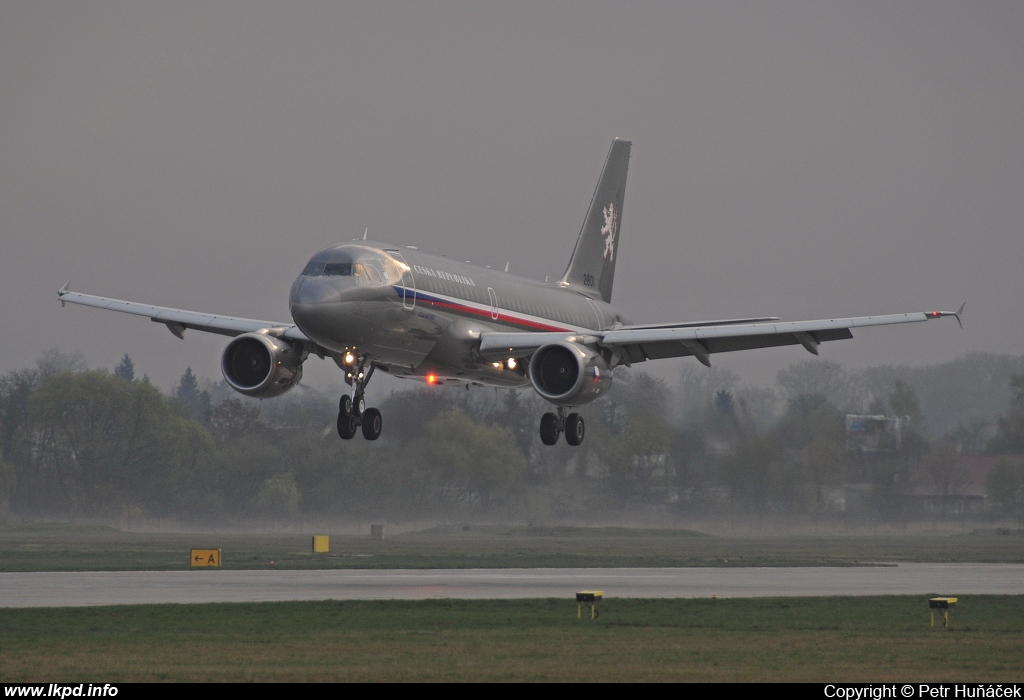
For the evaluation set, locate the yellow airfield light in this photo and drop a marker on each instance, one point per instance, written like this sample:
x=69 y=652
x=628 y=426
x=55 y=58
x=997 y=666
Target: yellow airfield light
x=590 y=599
x=942 y=606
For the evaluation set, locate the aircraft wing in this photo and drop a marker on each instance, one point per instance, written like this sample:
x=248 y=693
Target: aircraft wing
x=177 y=320
x=637 y=344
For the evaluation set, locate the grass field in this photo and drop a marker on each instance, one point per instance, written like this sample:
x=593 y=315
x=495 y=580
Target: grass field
x=805 y=639
x=92 y=548
x=795 y=639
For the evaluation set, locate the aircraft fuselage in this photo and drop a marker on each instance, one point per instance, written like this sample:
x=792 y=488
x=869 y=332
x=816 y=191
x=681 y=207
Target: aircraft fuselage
x=421 y=315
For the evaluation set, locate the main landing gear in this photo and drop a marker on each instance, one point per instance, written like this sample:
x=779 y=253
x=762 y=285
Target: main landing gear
x=552 y=425
x=353 y=413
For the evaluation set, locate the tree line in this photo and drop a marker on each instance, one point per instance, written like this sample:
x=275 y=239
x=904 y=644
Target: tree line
x=80 y=442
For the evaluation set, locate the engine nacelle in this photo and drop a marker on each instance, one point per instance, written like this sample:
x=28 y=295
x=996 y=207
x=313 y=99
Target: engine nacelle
x=569 y=374
x=260 y=365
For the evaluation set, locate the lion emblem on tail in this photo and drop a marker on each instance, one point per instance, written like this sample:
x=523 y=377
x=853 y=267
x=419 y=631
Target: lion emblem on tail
x=611 y=224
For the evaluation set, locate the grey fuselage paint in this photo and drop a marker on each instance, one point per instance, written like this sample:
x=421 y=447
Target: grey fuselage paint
x=418 y=315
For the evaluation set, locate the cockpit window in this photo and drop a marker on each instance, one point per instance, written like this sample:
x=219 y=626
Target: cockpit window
x=367 y=272
x=338 y=269
x=314 y=269
x=320 y=269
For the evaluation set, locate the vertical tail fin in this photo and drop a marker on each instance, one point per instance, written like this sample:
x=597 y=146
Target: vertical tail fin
x=592 y=266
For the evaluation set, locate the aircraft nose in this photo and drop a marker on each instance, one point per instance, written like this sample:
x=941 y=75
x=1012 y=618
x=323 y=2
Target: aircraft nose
x=308 y=291
x=309 y=294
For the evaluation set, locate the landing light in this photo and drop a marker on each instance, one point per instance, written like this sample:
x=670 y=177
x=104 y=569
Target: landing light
x=497 y=365
x=511 y=363
x=349 y=358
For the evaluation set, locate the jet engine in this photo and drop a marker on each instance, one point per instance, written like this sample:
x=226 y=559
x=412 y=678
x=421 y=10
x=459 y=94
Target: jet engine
x=569 y=374
x=260 y=365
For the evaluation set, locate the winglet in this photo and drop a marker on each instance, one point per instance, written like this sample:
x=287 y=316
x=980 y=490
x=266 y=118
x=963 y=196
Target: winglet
x=62 y=291
x=958 y=314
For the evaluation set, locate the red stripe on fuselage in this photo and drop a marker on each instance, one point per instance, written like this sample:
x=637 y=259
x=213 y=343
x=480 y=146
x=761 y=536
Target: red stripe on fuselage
x=488 y=314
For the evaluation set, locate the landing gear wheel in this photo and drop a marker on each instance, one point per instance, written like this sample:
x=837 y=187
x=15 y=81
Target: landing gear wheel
x=352 y=411
x=549 y=429
x=574 y=429
x=348 y=426
x=372 y=423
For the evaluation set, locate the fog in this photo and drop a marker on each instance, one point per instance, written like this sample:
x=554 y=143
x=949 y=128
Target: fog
x=892 y=448
x=805 y=160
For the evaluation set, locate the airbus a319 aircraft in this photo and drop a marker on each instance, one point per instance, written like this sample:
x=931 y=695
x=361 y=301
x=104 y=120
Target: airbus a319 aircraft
x=376 y=306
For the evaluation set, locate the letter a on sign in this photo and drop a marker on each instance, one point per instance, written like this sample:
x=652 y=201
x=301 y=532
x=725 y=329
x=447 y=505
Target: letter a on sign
x=205 y=557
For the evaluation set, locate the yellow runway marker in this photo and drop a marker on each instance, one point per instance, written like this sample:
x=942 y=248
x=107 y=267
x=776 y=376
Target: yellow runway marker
x=589 y=598
x=205 y=557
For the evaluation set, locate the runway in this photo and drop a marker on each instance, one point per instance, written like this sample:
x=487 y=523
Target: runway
x=72 y=589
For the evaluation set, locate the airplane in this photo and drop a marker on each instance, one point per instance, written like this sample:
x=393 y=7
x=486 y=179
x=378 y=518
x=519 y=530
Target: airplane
x=377 y=306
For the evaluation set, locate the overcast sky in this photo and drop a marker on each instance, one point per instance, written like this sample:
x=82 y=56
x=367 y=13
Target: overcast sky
x=799 y=159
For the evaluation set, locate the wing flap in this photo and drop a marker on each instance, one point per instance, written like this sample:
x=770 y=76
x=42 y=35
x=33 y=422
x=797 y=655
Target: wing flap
x=746 y=330
x=497 y=346
x=661 y=349
x=692 y=324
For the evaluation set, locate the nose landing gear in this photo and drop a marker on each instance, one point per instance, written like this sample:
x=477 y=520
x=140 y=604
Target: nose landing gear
x=352 y=411
x=348 y=420
x=552 y=425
